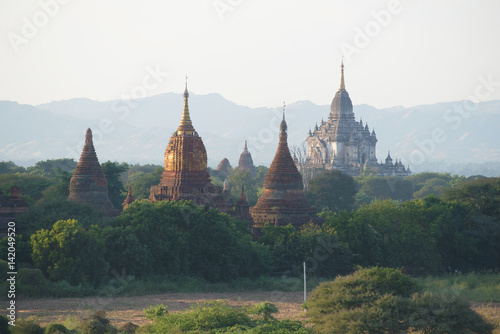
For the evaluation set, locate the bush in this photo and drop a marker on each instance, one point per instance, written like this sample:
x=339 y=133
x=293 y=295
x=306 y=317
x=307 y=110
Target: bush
x=31 y=282
x=26 y=327
x=4 y=325
x=265 y=309
x=155 y=312
x=377 y=300
x=96 y=324
x=213 y=315
x=56 y=329
x=128 y=328
x=440 y=314
x=281 y=327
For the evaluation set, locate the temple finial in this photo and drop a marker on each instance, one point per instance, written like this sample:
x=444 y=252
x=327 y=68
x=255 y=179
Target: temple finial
x=342 y=84
x=186 y=126
x=245 y=148
x=186 y=93
x=283 y=126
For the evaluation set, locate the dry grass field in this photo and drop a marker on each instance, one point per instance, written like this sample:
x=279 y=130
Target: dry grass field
x=124 y=309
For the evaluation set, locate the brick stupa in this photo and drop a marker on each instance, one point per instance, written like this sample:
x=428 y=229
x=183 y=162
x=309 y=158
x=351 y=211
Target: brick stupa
x=283 y=201
x=246 y=161
x=88 y=184
x=185 y=175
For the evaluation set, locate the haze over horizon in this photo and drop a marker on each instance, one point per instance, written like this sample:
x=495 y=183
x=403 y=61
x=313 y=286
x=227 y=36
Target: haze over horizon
x=255 y=53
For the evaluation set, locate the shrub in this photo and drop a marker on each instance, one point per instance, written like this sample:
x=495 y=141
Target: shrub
x=128 y=328
x=440 y=314
x=377 y=300
x=265 y=309
x=209 y=315
x=56 y=329
x=26 y=327
x=4 y=325
x=156 y=311
x=96 y=324
x=281 y=327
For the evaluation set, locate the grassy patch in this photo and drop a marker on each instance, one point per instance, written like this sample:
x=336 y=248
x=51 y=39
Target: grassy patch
x=164 y=284
x=157 y=284
x=472 y=287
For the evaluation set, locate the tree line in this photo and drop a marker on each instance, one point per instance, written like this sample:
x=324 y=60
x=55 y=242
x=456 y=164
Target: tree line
x=454 y=226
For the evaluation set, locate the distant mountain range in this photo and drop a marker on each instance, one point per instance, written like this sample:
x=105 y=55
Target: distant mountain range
x=438 y=137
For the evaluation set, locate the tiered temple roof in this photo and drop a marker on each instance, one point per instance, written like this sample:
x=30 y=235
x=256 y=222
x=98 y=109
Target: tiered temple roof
x=88 y=183
x=283 y=201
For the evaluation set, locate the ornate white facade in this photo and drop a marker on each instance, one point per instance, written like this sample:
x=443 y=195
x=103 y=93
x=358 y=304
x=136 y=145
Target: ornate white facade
x=346 y=144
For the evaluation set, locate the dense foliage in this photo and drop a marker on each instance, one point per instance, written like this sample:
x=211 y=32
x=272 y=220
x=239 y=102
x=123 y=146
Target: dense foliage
x=383 y=300
x=421 y=235
x=69 y=252
x=318 y=246
x=332 y=191
x=219 y=317
x=179 y=238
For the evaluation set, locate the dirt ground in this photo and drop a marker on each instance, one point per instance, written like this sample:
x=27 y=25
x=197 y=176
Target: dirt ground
x=124 y=309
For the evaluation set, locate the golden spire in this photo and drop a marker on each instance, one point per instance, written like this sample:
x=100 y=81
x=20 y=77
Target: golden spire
x=186 y=126
x=342 y=84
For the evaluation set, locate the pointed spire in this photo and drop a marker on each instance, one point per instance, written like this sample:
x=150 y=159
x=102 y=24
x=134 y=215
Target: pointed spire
x=245 y=148
x=242 y=196
x=129 y=199
x=342 y=84
x=186 y=126
x=283 y=126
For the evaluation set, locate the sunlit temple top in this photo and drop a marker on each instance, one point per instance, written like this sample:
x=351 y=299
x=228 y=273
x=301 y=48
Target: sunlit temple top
x=186 y=126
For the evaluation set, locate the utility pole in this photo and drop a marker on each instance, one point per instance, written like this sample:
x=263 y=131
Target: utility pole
x=305 y=287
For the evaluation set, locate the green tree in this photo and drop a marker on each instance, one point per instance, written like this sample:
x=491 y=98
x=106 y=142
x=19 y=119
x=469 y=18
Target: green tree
x=141 y=182
x=420 y=235
x=332 y=190
x=316 y=245
x=59 y=190
x=52 y=168
x=8 y=167
x=69 y=252
x=116 y=190
x=481 y=195
x=387 y=187
x=32 y=185
x=44 y=214
x=189 y=240
x=253 y=186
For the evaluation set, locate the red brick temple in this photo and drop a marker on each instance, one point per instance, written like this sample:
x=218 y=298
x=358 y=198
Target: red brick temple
x=283 y=201
x=10 y=207
x=88 y=184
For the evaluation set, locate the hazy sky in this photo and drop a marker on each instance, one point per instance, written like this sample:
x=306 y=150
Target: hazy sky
x=253 y=52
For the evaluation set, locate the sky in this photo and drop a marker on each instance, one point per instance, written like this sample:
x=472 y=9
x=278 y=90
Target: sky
x=255 y=53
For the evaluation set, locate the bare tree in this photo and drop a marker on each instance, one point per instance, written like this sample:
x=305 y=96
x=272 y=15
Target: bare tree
x=300 y=155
